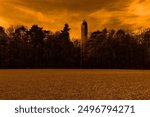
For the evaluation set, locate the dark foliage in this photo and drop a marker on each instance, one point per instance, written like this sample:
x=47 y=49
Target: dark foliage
x=38 y=48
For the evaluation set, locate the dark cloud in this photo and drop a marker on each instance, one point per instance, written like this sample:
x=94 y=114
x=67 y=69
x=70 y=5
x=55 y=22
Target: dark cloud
x=73 y=5
x=141 y=1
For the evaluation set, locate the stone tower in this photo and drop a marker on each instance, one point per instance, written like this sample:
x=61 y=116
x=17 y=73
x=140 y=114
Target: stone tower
x=84 y=37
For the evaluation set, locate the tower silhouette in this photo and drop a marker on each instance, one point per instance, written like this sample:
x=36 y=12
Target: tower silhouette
x=84 y=37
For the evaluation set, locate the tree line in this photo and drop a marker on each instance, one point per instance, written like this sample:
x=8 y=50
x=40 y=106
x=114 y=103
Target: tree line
x=21 y=47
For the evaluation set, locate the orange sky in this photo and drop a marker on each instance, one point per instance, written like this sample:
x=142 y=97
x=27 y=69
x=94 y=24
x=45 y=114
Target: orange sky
x=52 y=14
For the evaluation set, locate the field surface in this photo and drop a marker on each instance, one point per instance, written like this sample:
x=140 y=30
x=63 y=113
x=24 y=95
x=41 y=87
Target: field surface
x=74 y=84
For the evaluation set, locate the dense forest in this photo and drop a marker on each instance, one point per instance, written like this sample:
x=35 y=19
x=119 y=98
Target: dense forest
x=21 y=47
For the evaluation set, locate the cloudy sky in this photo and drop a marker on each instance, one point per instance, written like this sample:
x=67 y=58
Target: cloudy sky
x=52 y=14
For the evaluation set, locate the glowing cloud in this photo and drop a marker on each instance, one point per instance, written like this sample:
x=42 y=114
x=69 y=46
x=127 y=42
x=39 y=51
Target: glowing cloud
x=52 y=14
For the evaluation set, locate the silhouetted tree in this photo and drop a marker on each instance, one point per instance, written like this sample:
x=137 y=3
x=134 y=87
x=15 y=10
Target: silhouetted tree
x=21 y=47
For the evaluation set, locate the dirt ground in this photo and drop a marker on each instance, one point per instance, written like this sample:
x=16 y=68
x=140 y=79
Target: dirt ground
x=70 y=84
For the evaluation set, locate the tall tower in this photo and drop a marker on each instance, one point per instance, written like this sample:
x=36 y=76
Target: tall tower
x=84 y=37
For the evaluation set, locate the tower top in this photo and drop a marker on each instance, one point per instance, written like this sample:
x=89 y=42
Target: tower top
x=84 y=22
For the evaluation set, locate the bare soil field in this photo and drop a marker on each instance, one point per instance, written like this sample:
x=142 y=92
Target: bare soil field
x=70 y=84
